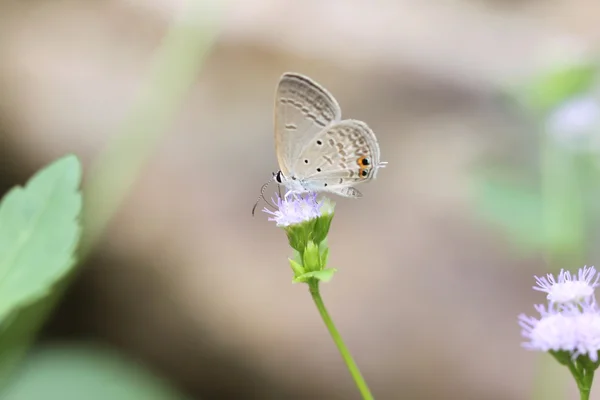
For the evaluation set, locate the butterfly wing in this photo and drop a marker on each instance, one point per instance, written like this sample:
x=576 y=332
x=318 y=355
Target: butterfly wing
x=303 y=109
x=344 y=154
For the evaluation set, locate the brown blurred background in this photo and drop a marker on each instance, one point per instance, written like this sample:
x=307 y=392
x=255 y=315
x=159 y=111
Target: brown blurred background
x=186 y=281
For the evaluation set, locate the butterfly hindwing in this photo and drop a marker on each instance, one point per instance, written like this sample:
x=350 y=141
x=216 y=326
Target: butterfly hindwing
x=344 y=154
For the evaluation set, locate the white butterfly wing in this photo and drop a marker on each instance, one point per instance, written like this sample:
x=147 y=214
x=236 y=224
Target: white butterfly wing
x=303 y=109
x=344 y=154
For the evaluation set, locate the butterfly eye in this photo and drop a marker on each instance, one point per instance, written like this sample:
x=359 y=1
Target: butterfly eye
x=363 y=161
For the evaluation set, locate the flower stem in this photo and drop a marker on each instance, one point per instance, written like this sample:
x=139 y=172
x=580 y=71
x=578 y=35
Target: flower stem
x=584 y=394
x=337 y=338
x=584 y=378
x=585 y=386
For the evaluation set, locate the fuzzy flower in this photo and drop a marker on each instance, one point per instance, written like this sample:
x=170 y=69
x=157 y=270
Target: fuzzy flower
x=306 y=222
x=292 y=209
x=568 y=288
x=575 y=116
x=576 y=122
x=574 y=330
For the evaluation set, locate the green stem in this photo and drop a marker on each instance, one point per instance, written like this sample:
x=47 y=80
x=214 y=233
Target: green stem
x=584 y=390
x=585 y=385
x=337 y=338
x=584 y=378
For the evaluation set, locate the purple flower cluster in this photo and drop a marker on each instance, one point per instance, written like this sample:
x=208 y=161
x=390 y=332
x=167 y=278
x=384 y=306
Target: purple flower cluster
x=570 y=321
x=294 y=209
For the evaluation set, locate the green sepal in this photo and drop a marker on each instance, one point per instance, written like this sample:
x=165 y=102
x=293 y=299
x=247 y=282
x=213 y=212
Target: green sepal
x=323 y=223
x=324 y=253
x=563 y=357
x=587 y=364
x=312 y=257
x=297 y=257
x=297 y=236
x=297 y=268
x=324 y=275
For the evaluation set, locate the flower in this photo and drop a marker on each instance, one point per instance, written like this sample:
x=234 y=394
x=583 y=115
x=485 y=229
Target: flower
x=575 y=116
x=575 y=329
x=304 y=218
x=567 y=288
x=575 y=122
x=293 y=209
x=306 y=222
x=569 y=325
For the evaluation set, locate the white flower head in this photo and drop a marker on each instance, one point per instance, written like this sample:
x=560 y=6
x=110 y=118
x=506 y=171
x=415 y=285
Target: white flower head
x=574 y=329
x=293 y=209
x=568 y=288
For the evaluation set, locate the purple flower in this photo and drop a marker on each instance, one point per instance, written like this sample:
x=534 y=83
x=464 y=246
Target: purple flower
x=294 y=209
x=576 y=121
x=567 y=288
x=574 y=329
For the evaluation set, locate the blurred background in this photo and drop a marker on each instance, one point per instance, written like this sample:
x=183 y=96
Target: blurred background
x=193 y=293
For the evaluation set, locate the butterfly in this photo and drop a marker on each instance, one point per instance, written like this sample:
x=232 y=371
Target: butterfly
x=316 y=150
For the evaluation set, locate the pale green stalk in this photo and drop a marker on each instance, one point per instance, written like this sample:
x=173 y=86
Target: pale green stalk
x=337 y=338
x=175 y=67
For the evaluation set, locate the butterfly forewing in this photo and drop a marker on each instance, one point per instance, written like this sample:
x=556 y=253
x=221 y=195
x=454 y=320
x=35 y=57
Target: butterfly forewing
x=303 y=109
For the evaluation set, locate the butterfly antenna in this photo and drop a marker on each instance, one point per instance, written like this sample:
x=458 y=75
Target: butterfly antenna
x=262 y=195
x=381 y=164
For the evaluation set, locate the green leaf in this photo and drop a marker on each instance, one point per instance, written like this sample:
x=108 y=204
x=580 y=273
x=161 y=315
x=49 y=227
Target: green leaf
x=324 y=275
x=300 y=278
x=19 y=331
x=552 y=88
x=297 y=268
x=68 y=372
x=39 y=232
